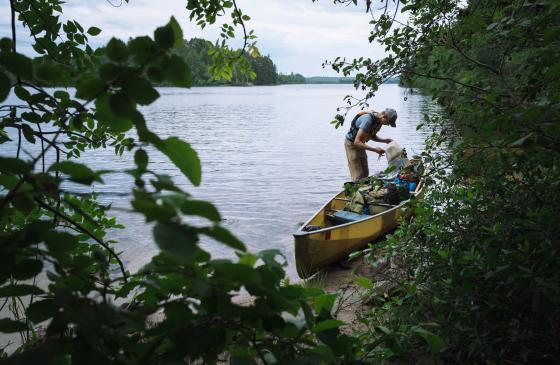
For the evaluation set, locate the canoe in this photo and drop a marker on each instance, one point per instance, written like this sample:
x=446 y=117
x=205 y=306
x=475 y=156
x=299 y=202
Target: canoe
x=319 y=248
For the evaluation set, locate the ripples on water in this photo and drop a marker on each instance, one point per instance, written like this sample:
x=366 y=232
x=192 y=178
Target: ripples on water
x=269 y=156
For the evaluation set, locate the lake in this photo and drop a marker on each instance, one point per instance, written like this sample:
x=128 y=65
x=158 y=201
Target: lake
x=269 y=156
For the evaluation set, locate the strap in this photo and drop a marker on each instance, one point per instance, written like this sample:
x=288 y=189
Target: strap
x=372 y=113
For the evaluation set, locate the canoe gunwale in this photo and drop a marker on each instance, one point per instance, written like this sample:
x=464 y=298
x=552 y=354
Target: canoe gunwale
x=301 y=233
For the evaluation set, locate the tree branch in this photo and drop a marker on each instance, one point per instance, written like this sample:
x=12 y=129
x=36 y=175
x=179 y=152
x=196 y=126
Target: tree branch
x=245 y=40
x=49 y=52
x=445 y=78
x=13 y=12
x=476 y=62
x=85 y=231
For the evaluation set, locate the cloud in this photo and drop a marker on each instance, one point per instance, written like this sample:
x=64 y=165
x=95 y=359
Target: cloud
x=298 y=34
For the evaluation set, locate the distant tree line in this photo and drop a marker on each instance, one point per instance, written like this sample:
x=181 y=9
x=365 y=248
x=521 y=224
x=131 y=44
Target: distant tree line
x=292 y=78
x=330 y=80
x=195 y=52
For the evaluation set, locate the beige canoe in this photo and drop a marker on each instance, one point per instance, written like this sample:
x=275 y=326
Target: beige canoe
x=316 y=249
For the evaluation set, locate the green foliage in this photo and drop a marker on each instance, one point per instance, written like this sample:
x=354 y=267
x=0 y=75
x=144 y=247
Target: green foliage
x=291 y=79
x=58 y=265
x=210 y=66
x=475 y=273
x=265 y=70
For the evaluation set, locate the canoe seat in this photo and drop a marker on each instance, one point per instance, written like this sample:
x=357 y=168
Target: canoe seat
x=342 y=216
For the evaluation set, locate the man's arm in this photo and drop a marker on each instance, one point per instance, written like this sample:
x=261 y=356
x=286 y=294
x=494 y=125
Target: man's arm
x=361 y=136
x=376 y=138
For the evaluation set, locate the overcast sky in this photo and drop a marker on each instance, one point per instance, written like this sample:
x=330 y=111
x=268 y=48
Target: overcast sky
x=298 y=34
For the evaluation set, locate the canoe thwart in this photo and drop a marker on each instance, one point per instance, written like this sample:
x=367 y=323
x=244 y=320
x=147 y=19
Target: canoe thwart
x=343 y=199
x=343 y=216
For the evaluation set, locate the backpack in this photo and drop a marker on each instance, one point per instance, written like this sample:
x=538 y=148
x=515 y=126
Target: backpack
x=359 y=114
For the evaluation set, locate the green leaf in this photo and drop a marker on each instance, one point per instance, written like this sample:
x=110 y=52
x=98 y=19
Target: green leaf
x=89 y=87
x=169 y=35
x=390 y=169
x=551 y=34
x=164 y=37
x=324 y=302
x=21 y=93
x=247 y=259
x=435 y=342
x=106 y=115
x=17 y=64
x=178 y=240
x=200 y=208
x=109 y=71
x=120 y=105
x=176 y=71
x=24 y=203
x=308 y=314
x=28 y=133
x=116 y=50
x=31 y=117
x=156 y=74
x=93 y=31
x=327 y=325
x=235 y=273
x=164 y=182
x=553 y=71
x=5 y=85
x=69 y=27
x=145 y=203
x=178 y=312
x=385 y=330
x=183 y=156
x=142 y=48
x=177 y=32
x=141 y=159
x=8 y=181
x=364 y=282
x=4 y=136
x=140 y=90
x=40 y=311
x=77 y=172
x=521 y=140
x=355 y=255
x=49 y=73
x=19 y=290
x=27 y=269
x=9 y=326
x=60 y=241
x=223 y=235
x=62 y=95
x=14 y=165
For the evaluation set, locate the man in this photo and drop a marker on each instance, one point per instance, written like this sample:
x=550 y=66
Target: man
x=364 y=128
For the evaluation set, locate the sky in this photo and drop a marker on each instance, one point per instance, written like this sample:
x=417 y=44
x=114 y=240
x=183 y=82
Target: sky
x=299 y=35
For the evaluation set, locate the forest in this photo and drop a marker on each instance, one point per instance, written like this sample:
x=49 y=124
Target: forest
x=195 y=52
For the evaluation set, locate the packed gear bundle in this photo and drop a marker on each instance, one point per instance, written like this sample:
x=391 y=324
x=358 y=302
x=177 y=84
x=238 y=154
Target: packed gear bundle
x=380 y=192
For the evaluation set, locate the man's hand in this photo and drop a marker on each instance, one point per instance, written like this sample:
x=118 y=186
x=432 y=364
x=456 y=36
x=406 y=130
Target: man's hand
x=388 y=140
x=381 y=151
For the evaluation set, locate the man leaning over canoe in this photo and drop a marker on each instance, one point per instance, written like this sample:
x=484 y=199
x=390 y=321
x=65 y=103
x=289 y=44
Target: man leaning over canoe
x=364 y=127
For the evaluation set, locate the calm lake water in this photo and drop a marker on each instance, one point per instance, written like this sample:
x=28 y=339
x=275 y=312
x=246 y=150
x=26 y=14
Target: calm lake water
x=269 y=156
